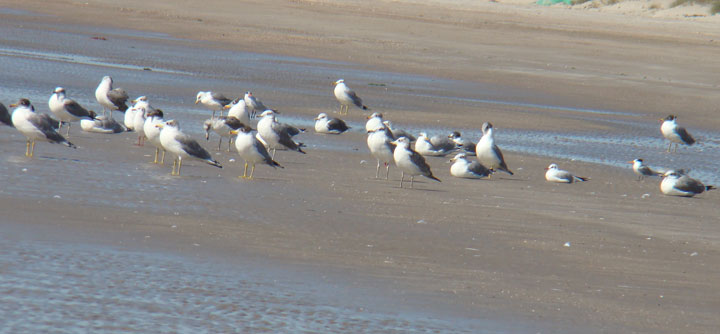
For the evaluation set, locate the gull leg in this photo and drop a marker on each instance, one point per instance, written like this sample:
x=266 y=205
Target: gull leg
x=252 y=171
x=402 y=176
x=230 y=141
x=162 y=160
x=220 y=144
x=377 y=171
x=273 y=155
x=179 y=165
x=27 y=148
x=245 y=171
x=157 y=152
x=173 y=167
x=387 y=171
x=32 y=149
x=412 y=180
x=67 y=133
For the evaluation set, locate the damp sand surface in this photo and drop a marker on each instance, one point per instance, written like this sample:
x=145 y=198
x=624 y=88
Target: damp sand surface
x=354 y=254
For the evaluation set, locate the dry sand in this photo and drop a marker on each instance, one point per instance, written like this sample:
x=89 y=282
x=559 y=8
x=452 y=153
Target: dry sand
x=494 y=247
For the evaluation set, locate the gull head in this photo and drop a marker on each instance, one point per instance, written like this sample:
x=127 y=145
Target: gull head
x=459 y=156
x=107 y=78
x=454 y=135
x=669 y=118
x=200 y=96
x=552 y=166
x=140 y=99
x=673 y=174
x=375 y=114
x=59 y=90
x=402 y=142
x=155 y=113
x=23 y=102
x=320 y=116
x=339 y=81
x=269 y=113
x=486 y=127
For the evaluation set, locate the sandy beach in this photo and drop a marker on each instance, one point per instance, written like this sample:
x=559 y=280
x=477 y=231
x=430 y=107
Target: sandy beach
x=612 y=255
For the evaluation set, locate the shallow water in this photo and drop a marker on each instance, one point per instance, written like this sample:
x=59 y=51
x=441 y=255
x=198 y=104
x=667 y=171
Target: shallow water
x=70 y=287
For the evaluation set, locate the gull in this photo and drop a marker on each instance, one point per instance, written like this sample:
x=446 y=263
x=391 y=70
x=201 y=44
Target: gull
x=676 y=134
x=251 y=150
x=488 y=153
x=254 y=104
x=347 y=97
x=238 y=109
x=139 y=125
x=212 y=101
x=152 y=132
x=5 y=116
x=138 y=104
x=109 y=98
x=467 y=145
x=440 y=148
x=410 y=162
x=463 y=168
x=677 y=183
x=102 y=124
x=222 y=126
x=67 y=110
x=379 y=142
x=324 y=124
x=397 y=133
x=375 y=121
x=555 y=174
x=642 y=171
x=35 y=126
x=180 y=144
x=277 y=134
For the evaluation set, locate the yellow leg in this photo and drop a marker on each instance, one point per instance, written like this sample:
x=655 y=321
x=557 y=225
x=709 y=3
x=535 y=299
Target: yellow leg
x=27 y=148
x=245 y=171
x=173 y=167
x=162 y=160
x=157 y=152
x=251 y=172
x=179 y=165
x=32 y=149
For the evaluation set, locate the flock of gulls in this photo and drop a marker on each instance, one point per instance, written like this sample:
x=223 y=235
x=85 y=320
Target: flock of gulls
x=388 y=145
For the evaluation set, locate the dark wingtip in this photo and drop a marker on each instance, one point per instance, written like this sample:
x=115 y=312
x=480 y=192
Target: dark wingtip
x=365 y=108
x=709 y=187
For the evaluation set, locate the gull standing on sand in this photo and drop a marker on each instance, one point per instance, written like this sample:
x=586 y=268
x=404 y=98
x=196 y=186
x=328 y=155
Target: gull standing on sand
x=138 y=104
x=467 y=145
x=374 y=122
x=555 y=174
x=325 y=124
x=35 y=126
x=397 y=133
x=5 y=116
x=152 y=132
x=238 y=109
x=102 y=124
x=67 y=110
x=139 y=125
x=180 y=144
x=251 y=150
x=642 y=170
x=347 y=97
x=410 y=162
x=254 y=104
x=109 y=98
x=379 y=142
x=463 y=168
x=212 y=101
x=488 y=153
x=222 y=126
x=677 y=183
x=676 y=134
x=277 y=134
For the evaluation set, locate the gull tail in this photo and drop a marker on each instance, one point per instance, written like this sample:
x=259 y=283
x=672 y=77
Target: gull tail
x=69 y=144
x=274 y=164
x=581 y=179
x=710 y=187
x=432 y=177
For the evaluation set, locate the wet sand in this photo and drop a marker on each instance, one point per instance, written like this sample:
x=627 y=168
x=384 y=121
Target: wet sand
x=493 y=249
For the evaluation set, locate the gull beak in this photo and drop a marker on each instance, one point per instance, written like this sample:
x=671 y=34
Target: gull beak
x=369 y=117
x=133 y=101
x=631 y=162
x=13 y=105
x=225 y=107
x=197 y=101
x=234 y=132
x=159 y=126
